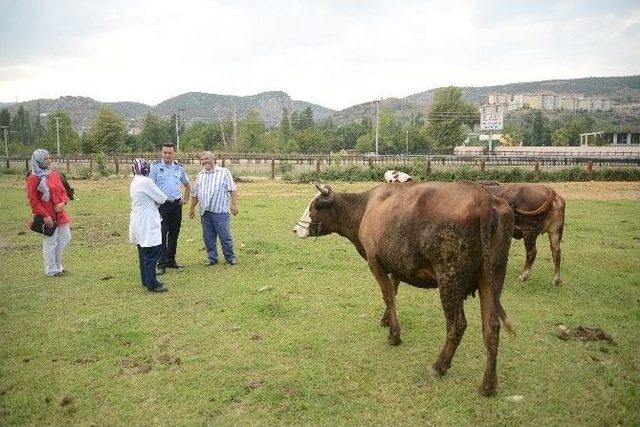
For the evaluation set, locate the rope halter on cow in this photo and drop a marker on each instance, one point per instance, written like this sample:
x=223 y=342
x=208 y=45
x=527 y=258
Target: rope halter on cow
x=301 y=223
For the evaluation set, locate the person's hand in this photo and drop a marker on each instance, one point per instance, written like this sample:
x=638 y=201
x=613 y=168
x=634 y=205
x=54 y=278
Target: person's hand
x=192 y=213
x=59 y=207
x=234 y=210
x=48 y=221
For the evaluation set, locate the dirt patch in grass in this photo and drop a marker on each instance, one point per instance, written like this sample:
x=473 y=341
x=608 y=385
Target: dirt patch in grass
x=132 y=367
x=583 y=333
x=597 y=190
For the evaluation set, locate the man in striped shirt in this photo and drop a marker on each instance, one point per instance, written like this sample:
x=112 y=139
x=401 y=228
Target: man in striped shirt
x=213 y=188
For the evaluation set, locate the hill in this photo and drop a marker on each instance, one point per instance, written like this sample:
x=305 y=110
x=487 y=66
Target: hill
x=621 y=90
x=208 y=107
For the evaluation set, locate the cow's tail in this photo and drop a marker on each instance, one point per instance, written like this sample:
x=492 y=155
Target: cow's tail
x=489 y=225
x=543 y=207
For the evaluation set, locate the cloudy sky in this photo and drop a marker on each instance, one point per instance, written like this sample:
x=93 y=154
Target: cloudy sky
x=333 y=53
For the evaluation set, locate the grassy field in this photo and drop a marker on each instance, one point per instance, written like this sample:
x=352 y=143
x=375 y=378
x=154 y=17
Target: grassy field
x=291 y=336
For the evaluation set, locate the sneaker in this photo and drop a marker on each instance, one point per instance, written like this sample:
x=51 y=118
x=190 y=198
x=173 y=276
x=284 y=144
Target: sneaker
x=210 y=263
x=175 y=265
x=160 y=271
x=58 y=274
x=159 y=288
x=232 y=261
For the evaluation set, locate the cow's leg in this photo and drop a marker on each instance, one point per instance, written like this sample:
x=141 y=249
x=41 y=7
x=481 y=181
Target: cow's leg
x=389 y=296
x=491 y=335
x=530 y=248
x=385 y=318
x=555 y=236
x=452 y=304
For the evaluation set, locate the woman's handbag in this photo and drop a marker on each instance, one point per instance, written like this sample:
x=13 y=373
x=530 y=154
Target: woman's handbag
x=39 y=226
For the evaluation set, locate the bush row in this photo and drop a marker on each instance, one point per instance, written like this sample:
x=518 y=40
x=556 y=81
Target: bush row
x=355 y=173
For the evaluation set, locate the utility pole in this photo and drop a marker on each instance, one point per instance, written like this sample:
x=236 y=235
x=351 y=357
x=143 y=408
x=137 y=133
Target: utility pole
x=377 y=123
x=177 y=127
x=224 y=139
x=235 y=129
x=58 y=133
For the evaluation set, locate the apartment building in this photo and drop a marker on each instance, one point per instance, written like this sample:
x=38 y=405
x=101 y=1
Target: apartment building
x=549 y=101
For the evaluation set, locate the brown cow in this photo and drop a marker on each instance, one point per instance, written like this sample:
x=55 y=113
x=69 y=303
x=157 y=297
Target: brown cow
x=454 y=236
x=538 y=209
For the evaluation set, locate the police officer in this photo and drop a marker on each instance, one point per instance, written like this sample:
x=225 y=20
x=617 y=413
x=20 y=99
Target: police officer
x=168 y=174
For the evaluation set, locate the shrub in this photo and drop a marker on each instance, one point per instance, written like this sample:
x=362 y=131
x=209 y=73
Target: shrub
x=467 y=173
x=102 y=164
x=83 y=173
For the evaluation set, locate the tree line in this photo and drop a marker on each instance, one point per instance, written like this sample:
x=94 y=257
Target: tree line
x=448 y=123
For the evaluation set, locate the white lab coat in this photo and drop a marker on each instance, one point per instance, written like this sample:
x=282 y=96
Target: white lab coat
x=144 y=221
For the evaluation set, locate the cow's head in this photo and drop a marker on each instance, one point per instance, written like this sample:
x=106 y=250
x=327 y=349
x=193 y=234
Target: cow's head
x=320 y=216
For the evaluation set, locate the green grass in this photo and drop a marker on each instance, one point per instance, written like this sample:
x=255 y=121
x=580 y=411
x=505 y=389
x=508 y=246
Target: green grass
x=309 y=350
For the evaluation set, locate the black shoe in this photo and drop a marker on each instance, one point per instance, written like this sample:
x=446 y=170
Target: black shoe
x=159 y=288
x=58 y=274
x=210 y=263
x=160 y=270
x=232 y=261
x=175 y=265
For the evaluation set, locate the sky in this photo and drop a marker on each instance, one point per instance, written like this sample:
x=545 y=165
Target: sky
x=333 y=53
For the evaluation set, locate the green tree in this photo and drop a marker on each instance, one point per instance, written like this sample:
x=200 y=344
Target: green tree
x=560 y=137
x=538 y=134
x=391 y=137
x=418 y=142
x=107 y=132
x=250 y=128
x=38 y=129
x=155 y=132
x=448 y=116
x=302 y=120
x=21 y=131
x=366 y=143
x=202 y=136
x=346 y=136
x=512 y=134
x=285 y=126
x=5 y=120
x=69 y=138
x=311 y=140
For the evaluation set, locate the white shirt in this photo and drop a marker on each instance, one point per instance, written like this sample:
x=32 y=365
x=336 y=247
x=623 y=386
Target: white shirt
x=212 y=189
x=144 y=221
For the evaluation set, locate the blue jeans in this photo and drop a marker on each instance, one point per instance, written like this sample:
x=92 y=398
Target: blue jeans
x=216 y=225
x=148 y=258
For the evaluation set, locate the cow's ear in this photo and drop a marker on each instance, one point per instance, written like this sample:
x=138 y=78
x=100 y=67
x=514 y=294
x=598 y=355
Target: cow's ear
x=325 y=202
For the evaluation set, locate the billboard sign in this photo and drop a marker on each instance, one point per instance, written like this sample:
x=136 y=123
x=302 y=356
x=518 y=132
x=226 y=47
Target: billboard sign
x=491 y=121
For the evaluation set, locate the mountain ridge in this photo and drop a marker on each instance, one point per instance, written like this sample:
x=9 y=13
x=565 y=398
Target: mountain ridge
x=193 y=106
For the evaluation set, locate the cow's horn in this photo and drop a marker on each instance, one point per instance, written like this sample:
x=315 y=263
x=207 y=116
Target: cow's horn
x=324 y=191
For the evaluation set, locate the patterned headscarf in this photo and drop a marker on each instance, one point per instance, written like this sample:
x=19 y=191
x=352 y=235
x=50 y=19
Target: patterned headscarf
x=140 y=167
x=41 y=170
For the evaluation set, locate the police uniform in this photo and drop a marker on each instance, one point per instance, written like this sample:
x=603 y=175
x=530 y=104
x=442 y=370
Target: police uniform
x=169 y=178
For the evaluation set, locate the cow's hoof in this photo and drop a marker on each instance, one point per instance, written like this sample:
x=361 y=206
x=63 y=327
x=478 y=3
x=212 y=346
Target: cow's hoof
x=438 y=372
x=524 y=277
x=557 y=281
x=394 y=340
x=487 y=390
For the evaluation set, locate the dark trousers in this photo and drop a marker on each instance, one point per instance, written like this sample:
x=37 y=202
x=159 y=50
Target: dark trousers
x=217 y=225
x=171 y=213
x=148 y=258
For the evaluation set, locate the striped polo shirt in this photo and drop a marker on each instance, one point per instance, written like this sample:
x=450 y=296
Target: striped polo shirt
x=212 y=189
